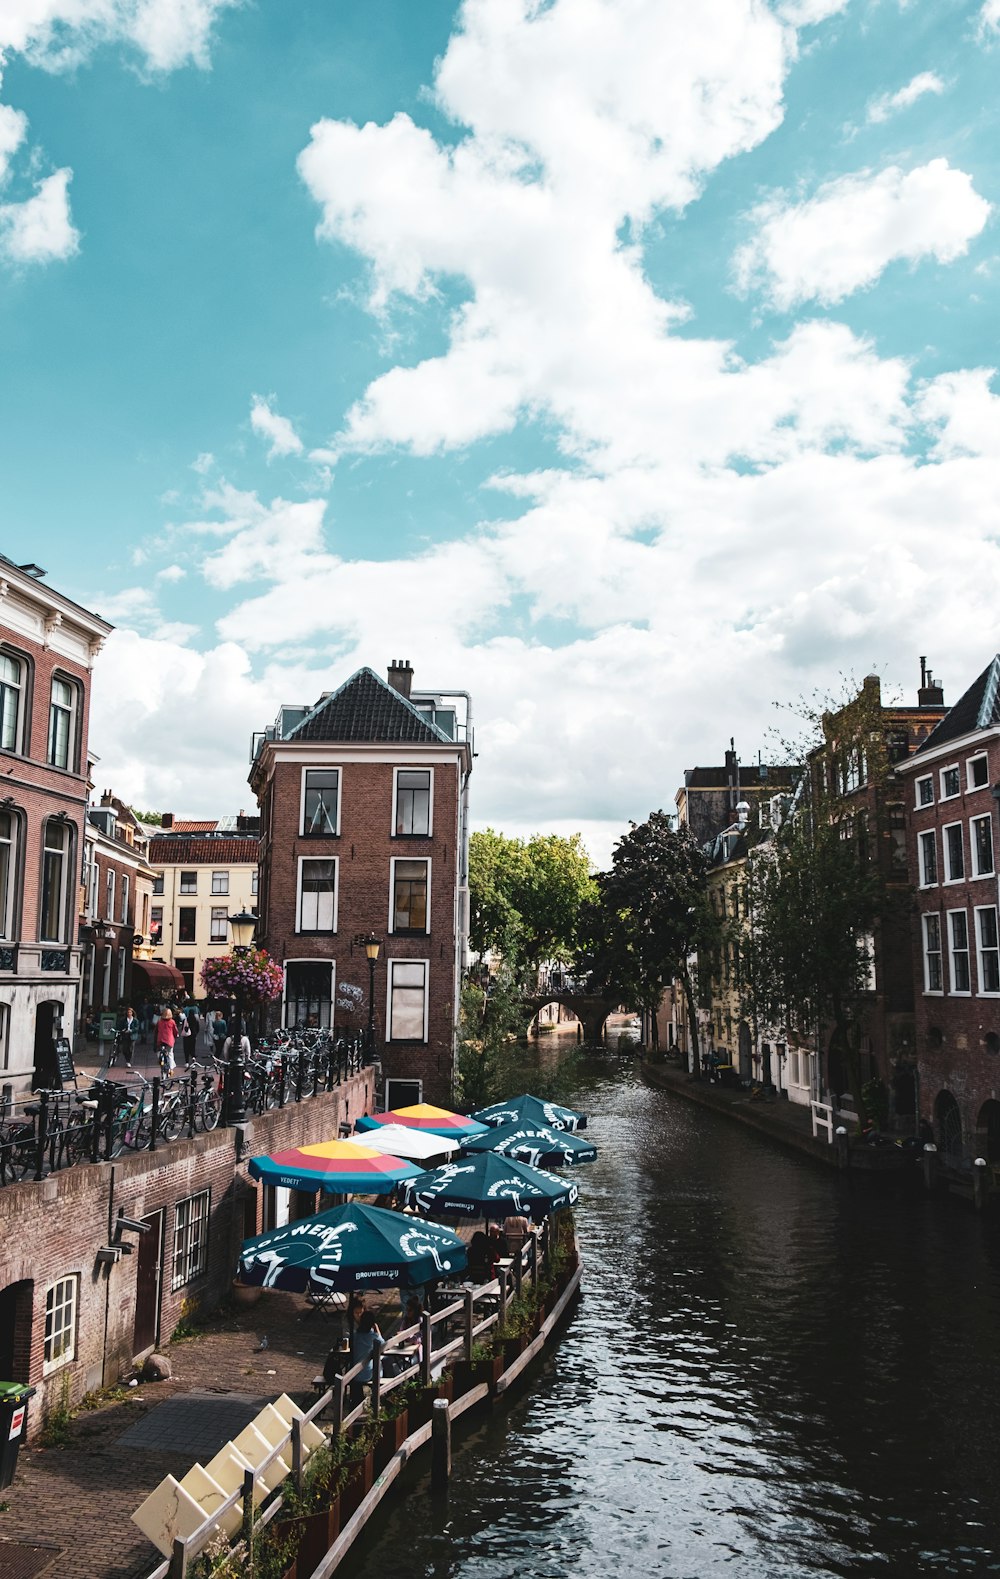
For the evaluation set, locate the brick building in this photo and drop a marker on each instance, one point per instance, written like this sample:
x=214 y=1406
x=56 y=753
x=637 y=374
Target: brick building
x=115 y=904
x=48 y=645
x=952 y=795
x=707 y=800
x=205 y=872
x=364 y=830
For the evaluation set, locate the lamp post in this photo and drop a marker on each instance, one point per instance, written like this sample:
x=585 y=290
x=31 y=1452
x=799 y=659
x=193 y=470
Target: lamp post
x=242 y=927
x=372 y=944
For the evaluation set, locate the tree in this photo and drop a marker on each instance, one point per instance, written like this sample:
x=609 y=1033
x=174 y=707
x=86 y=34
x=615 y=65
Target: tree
x=525 y=897
x=650 y=915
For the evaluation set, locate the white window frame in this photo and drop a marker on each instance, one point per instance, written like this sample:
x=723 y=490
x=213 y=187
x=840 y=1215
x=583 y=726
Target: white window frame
x=178 y=939
x=982 y=950
x=974 y=847
x=71 y=709
x=970 y=785
x=190 y=1248
x=254 y=880
x=317 y=931
x=308 y=959
x=926 y=778
x=109 y=898
x=125 y=897
x=8 y=897
x=66 y=852
x=408 y=931
x=925 y=840
x=413 y=767
x=62 y=1299
x=154 y=921
x=928 y=916
x=953 y=991
x=186 y=888
x=391 y=966
x=220 y=877
x=213 y=923
x=317 y=767
x=18 y=690
x=953 y=767
x=948 y=877
x=122 y=962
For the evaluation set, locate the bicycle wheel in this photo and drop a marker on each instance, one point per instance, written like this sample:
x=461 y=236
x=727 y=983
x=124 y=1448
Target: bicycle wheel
x=137 y=1130
x=76 y=1139
x=172 y=1119
x=210 y=1109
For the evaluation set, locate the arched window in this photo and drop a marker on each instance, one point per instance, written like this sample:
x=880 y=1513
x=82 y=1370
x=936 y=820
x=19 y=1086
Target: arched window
x=55 y=852
x=62 y=723
x=9 y=828
x=12 y=676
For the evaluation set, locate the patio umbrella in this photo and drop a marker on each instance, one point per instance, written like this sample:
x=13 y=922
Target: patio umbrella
x=527 y=1109
x=488 y=1185
x=433 y=1120
x=350 y=1247
x=534 y=1143
x=343 y=1167
x=416 y=1144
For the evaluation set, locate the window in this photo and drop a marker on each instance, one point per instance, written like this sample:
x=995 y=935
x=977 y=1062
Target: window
x=62 y=718
x=413 y=802
x=156 y=924
x=927 y=850
x=220 y=924
x=855 y=770
x=122 y=962
x=253 y=881
x=125 y=889
x=60 y=1323
x=8 y=873
x=190 y=1239
x=158 y=883
x=54 y=848
x=320 y=801
x=317 y=896
x=410 y=883
x=977 y=772
x=186 y=920
x=988 y=949
x=109 y=909
x=925 y=791
x=189 y=882
x=981 y=829
x=950 y=783
x=186 y=968
x=897 y=840
x=954 y=853
x=220 y=882
x=897 y=745
x=407 y=1000
x=932 y=953
x=308 y=993
x=4 y=1035
x=958 y=937
x=11 y=701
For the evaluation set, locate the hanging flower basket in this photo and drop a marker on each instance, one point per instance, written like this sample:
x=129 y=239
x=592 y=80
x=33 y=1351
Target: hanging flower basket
x=253 y=977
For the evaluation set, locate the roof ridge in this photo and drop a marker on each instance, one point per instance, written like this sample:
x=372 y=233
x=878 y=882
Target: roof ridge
x=986 y=706
x=389 y=693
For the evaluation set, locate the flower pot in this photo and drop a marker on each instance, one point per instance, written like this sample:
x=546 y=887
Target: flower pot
x=393 y=1434
x=245 y=1295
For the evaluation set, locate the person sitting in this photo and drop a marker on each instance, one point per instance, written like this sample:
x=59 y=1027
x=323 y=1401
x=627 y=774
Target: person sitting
x=364 y=1341
x=496 y=1246
x=516 y=1230
x=479 y=1256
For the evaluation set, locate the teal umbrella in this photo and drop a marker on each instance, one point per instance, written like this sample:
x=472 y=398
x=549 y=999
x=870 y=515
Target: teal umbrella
x=534 y=1143
x=527 y=1109
x=488 y=1185
x=351 y=1247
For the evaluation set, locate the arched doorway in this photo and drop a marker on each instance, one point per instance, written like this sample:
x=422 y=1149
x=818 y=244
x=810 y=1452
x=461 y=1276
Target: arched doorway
x=746 y=1051
x=988 y=1131
x=948 y=1125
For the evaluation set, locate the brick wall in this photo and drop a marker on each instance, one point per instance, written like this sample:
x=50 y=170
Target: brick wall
x=54 y=1229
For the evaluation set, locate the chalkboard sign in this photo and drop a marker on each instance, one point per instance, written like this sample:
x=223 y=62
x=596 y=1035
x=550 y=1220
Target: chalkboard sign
x=64 y=1060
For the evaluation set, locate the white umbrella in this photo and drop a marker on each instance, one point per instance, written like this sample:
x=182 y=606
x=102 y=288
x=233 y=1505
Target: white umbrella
x=398 y=1140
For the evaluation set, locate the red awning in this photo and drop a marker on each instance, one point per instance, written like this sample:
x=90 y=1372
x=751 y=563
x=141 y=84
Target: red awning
x=156 y=977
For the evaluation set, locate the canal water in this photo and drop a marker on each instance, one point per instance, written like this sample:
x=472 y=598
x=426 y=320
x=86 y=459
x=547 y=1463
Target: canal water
x=771 y=1372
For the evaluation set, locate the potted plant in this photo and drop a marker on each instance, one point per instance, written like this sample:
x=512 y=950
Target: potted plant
x=421 y=1404
x=394 y=1420
x=359 y=1457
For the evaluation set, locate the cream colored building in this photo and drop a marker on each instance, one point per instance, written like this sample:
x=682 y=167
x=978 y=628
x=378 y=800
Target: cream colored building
x=206 y=872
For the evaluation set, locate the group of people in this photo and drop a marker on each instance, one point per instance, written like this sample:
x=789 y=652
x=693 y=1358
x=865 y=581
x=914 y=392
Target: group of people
x=179 y=1034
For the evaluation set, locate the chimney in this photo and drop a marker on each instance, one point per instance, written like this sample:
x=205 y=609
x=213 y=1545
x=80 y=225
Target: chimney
x=401 y=676
x=167 y=820
x=732 y=774
x=930 y=694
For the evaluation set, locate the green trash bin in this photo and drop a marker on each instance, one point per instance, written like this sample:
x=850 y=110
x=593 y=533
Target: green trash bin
x=14 y=1398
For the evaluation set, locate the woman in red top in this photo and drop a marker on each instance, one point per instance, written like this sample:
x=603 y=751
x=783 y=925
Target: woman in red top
x=166 y=1036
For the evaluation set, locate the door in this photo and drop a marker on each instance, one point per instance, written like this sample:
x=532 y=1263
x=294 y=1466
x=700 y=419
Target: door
x=15 y=1330
x=147 y=1285
x=746 y=1050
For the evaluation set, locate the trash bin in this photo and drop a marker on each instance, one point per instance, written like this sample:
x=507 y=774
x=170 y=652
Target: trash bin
x=14 y=1398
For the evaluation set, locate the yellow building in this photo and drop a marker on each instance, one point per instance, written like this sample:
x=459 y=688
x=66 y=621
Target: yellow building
x=205 y=872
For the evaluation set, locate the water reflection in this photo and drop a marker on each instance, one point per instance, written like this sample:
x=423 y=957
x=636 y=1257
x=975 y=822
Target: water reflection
x=770 y=1374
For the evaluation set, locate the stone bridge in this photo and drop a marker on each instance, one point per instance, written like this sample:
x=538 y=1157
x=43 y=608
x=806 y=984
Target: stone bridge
x=590 y=1010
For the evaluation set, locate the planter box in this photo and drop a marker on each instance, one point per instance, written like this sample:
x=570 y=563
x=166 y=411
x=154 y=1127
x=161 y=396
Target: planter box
x=360 y=1478
x=422 y=1407
x=317 y=1533
x=394 y=1434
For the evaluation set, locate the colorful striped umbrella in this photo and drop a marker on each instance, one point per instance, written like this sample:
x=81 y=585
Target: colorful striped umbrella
x=527 y=1109
x=488 y=1185
x=342 y=1167
x=534 y=1143
x=352 y=1246
x=434 y=1120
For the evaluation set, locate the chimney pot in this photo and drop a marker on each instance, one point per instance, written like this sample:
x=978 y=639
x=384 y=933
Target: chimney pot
x=400 y=676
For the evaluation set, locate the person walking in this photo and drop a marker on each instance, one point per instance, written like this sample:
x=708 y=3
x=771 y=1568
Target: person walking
x=132 y=1028
x=184 y=1036
x=166 y=1036
x=220 y=1031
x=194 y=1021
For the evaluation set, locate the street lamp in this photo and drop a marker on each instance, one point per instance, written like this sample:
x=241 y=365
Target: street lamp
x=242 y=926
x=372 y=944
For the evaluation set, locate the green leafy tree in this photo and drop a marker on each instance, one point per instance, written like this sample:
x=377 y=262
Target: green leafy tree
x=526 y=896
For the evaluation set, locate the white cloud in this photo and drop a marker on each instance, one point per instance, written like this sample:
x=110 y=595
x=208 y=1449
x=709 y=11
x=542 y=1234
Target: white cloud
x=171 y=573
x=277 y=430
x=13 y=128
x=964 y=413
x=989 y=17
x=841 y=240
x=61 y=33
x=40 y=229
x=886 y=105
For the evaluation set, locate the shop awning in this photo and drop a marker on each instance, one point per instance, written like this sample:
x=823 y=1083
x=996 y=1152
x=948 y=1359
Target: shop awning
x=155 y=976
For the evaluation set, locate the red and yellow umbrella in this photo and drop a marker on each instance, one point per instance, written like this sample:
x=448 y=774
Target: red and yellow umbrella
x=341 y=1167
x=435 y=1120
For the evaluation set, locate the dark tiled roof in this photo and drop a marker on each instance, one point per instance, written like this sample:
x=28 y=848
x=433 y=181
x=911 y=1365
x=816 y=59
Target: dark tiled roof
x=203 y=852
x=979 y=708
x=366 y=708
x=775 y=778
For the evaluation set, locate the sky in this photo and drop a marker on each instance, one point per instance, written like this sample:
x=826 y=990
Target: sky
x=630 y=364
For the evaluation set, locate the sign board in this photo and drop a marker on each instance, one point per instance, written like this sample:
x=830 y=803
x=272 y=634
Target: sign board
x=64 y=1060
x=16 y=1422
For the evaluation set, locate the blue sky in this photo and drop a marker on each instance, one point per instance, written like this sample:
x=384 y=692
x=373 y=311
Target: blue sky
x=627 y=363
